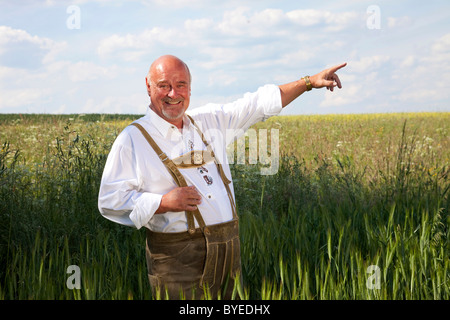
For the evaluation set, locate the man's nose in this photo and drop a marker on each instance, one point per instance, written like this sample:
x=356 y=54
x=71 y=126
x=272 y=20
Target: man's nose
x=172 y=93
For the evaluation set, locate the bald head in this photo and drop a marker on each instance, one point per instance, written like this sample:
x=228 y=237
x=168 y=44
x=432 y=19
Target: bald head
x=167 y=61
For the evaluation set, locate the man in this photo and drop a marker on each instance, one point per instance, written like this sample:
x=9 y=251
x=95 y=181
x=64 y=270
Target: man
x=166 y=172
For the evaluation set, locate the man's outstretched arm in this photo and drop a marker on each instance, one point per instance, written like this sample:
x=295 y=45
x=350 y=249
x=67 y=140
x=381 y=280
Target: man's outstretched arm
x=326 y=78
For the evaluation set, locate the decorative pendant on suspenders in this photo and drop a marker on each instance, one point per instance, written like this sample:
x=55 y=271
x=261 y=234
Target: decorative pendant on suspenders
x=197 y=157
x=203 y=171
x=190 y=144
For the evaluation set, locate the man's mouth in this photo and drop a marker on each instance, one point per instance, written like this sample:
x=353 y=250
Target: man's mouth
x=172 y=102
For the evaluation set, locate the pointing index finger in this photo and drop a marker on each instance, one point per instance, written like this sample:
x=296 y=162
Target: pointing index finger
x=336 y=68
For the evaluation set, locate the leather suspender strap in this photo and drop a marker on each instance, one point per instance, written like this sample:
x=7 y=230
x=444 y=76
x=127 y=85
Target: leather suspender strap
x=209 y=148
x=225 y=180
x=179 y=179
x=177 y=176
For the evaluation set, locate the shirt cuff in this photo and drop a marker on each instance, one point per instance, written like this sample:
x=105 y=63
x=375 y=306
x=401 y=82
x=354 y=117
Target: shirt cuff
x=271 y=98
x=145 y=208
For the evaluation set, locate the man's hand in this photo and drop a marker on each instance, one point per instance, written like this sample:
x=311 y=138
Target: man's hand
x=327 y=78
x=180 y=199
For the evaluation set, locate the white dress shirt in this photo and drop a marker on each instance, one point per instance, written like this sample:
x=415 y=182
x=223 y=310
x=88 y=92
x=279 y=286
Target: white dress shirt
x=135 y=179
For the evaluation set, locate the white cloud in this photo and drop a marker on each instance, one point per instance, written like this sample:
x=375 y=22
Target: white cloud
x=418 y=94
x=116 y=42
x=296 y=57
x=12 y=98
x=33 y=74
x=9 y=35
x=367 y=64
x=88 y=71
x=428 y=75
x=408 y=61
x=20 y=87
x=442 y=45
x=221 y=79
x=75 y=2
x=399 y=22
x=198 y=25
x=17 y=44
x=131 y=47
x=350 y=94
x=311 y=17
x=234 y=29
x=173 y=4
x=133 y=104
x=306 y=17
x=241 y=22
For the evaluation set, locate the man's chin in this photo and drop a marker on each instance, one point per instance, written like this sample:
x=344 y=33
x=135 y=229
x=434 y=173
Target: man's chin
x=171 y=115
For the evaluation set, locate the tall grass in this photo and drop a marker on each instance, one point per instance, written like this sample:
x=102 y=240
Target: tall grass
x=341 y=210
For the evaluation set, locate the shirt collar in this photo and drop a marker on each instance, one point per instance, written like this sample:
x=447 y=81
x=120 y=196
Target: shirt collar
x=165 y=128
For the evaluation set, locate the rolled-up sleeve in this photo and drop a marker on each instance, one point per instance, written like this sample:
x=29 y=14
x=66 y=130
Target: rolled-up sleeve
x=120 y=197
x=270 y=99
x=253 y=107
x=236 y=117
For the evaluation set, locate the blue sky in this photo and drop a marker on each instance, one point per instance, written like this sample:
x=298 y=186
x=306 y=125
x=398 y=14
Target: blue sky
x=53 y=60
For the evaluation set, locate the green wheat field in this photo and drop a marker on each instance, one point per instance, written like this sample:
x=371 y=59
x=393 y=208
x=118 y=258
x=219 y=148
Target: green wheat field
x=358 y=209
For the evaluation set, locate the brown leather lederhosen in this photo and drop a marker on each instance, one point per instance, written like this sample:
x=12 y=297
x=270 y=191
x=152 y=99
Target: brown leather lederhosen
x=198 y=261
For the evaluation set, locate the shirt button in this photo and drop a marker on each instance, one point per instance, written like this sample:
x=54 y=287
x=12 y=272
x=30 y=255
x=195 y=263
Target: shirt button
x=209 y=196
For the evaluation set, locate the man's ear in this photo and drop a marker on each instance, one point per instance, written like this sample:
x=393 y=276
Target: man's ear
x=147 y=85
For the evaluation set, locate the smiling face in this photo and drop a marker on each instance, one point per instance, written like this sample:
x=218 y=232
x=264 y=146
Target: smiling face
x=169 y=87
